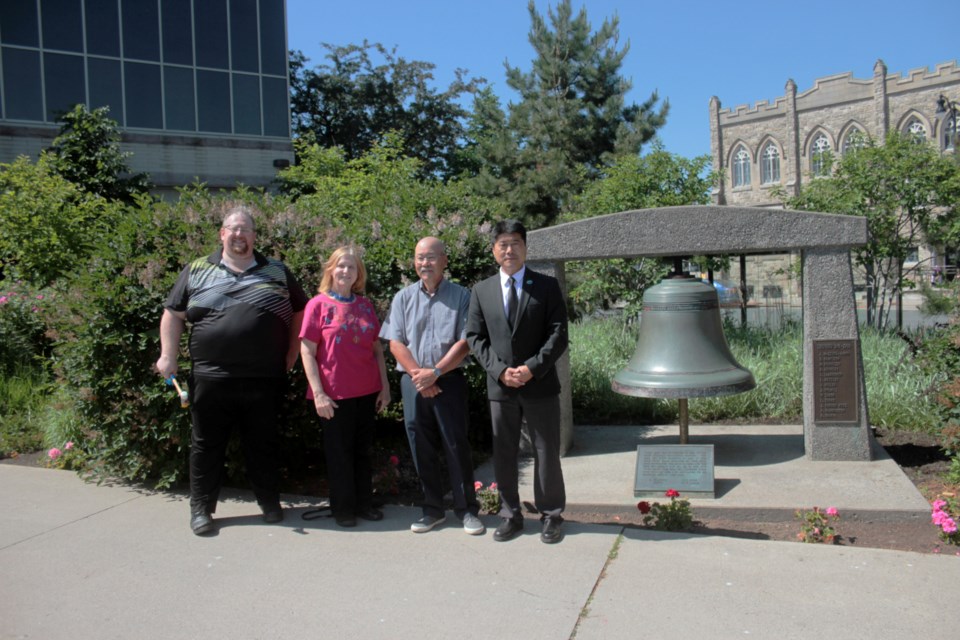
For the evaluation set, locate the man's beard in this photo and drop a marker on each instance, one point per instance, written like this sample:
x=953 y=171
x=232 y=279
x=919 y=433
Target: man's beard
x=238 y=246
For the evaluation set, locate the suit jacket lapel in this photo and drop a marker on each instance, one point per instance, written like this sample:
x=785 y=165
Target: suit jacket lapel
x=528 y=283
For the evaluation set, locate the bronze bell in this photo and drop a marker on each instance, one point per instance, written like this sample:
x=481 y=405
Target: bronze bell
x=682 y=352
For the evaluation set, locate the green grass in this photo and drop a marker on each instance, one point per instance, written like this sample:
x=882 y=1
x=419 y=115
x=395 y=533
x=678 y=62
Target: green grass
x=898 y=390
x=22 y=397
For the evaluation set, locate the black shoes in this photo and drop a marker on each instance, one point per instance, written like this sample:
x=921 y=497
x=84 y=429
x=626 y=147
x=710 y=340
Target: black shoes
x=345 y=521
x=552 y=533
x=273 y=514
x=201 y=523
x=508 y=530
x=371 y=513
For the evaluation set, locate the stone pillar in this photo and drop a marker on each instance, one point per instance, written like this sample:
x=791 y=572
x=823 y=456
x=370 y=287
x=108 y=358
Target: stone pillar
x=881 y=110
x=558 y=271
x=835 y=430
x=792 y=149
x=717 y=151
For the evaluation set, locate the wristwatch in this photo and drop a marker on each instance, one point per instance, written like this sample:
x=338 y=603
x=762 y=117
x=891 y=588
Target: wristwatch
x=437 y=372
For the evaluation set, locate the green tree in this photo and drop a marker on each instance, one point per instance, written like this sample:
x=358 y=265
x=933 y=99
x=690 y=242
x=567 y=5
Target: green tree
x=351 y=102
x=572 y=117
x=87 y=153
x=908 y=193
x=48 y=225
x=658 y=179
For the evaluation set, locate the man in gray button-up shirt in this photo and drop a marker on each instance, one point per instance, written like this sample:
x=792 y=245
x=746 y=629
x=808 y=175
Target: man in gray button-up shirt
x=427 y=333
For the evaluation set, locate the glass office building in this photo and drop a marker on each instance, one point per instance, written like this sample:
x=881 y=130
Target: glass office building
x=207 y=76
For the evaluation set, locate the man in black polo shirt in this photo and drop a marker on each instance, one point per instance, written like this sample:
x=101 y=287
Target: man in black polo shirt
x=245 y=312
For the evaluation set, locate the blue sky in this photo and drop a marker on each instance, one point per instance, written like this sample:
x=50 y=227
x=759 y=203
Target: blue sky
x=687 y=50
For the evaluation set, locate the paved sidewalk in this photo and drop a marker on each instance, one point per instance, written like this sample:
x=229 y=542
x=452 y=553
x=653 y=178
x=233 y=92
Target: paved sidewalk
x=79 y=560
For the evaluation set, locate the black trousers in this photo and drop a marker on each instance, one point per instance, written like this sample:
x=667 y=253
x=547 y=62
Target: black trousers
x=348 y=445
x=439 y=425
x=220 y=406
x=543 y=420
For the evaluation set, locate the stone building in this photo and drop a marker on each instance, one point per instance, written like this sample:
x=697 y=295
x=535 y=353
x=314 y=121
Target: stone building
x=782 y=144
x=199 y=87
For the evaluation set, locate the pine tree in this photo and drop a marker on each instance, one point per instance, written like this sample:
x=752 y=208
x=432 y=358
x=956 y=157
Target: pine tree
x=572 y=118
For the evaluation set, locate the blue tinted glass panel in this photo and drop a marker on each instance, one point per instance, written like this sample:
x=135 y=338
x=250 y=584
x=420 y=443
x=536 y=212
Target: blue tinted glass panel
x=276 y=108
x=62 y=25
x=213 y=101
x=21 y=83
x=177 y=29
x=18 y=23
x=141 y=30
x=178 y=98
x=210 y=25
x=64 y=83
x=243 y=35
x=246 y=104
x=106 y=87
x=273 y=38
x=103 y=27
x=142 y=87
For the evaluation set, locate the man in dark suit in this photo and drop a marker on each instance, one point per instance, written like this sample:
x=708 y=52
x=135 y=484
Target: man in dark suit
x=517 y=329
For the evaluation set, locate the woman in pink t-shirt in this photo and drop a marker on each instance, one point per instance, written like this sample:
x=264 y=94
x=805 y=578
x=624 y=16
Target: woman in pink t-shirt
x=347 y=377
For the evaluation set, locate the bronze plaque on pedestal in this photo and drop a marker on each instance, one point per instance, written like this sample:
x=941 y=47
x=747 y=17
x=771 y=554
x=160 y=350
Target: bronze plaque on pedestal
x=688 y=468
x=835 y=381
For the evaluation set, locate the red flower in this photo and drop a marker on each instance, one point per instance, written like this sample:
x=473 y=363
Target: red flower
x=644 y=507
x=394 y=460
x=672 y=493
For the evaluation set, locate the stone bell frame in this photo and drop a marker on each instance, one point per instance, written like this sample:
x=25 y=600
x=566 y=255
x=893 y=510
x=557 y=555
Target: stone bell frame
x=835 y=418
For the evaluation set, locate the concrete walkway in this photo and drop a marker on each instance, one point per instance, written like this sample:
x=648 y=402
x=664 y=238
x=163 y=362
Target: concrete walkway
x=79 y=560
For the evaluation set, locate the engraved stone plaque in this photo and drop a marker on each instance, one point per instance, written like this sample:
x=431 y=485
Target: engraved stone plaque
x=688 y=468
x=835 y=381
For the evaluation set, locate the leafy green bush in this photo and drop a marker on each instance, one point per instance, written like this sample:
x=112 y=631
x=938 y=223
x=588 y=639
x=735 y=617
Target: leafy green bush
x=130 y=424
x=47 y=224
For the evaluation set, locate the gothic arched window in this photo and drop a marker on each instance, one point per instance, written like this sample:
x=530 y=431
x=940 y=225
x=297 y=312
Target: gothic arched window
x=855 y=139
x=916 y=130
x=770 y=164
x=820 y=156
x=741 y=168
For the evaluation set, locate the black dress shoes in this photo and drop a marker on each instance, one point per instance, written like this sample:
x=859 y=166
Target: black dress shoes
x=552 y=533
x=508 y=530
x=373 y=514
x=273 y=515
x=345 y=521
x=201 y=523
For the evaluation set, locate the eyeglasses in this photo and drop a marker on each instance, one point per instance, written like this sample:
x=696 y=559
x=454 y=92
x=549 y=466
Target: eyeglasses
x=238 y=229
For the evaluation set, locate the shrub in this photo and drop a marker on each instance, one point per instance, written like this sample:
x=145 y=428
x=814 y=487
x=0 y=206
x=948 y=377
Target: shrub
x=106 y=327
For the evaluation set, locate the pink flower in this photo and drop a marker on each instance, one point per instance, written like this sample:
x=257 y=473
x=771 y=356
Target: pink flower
x=68 y=446
x=493 y=486
x=3 y=299
x=644 y=507
x=394 y=460
x=477 y=485
x=40 y=296
x=672 y=493
x=54 y=453
x=949 y=525
x=938 y=505
x=832 y=511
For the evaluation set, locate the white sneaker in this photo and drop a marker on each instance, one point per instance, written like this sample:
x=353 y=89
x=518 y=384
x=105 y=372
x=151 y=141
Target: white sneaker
x=426 y=523
x=473 y=526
